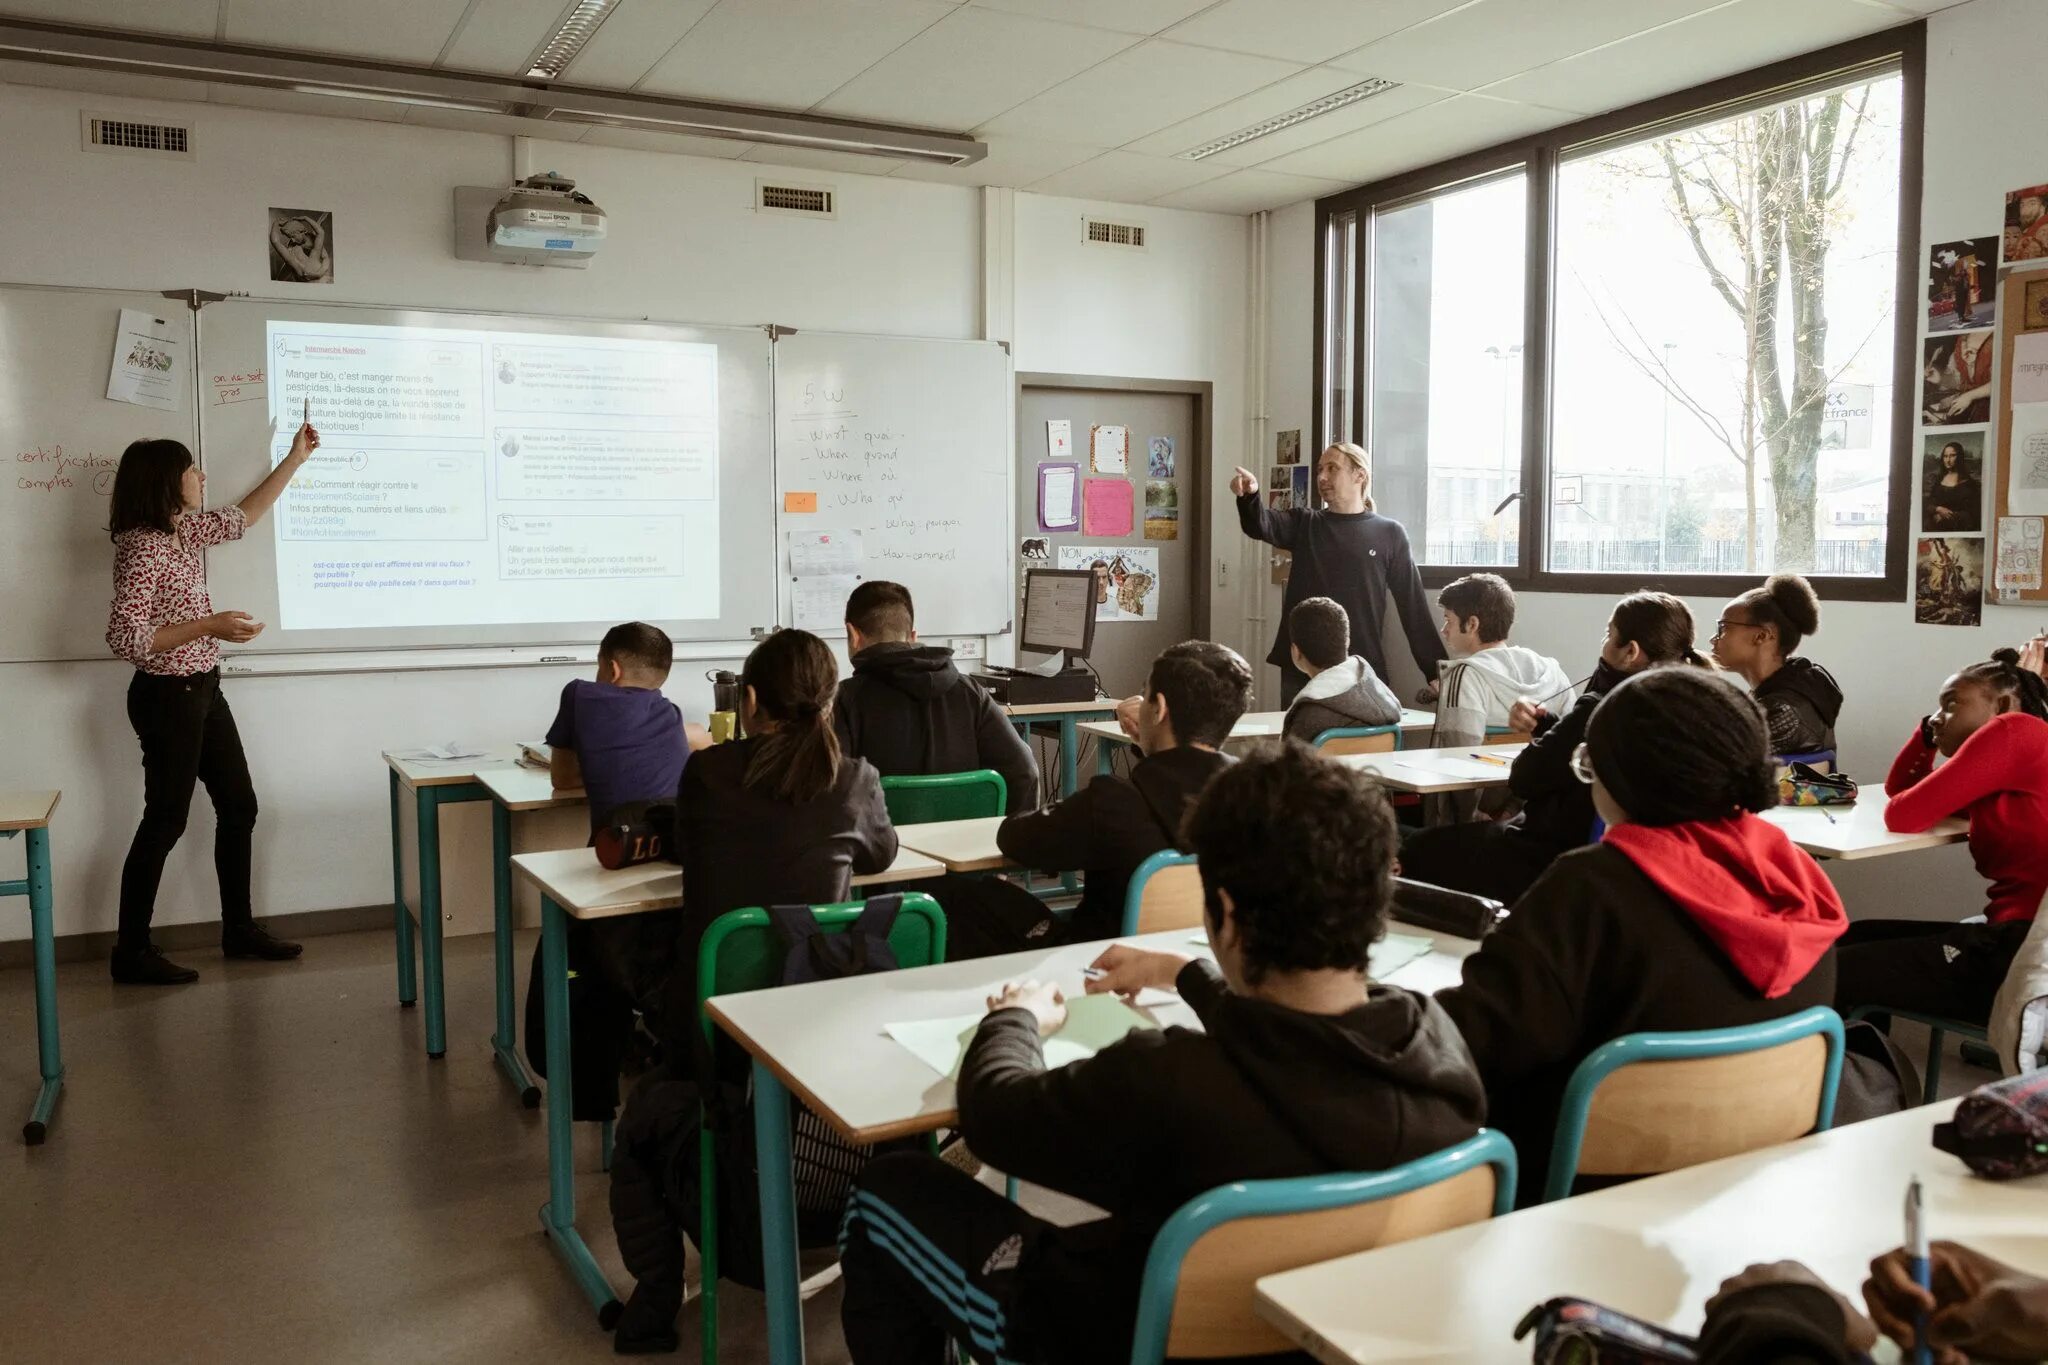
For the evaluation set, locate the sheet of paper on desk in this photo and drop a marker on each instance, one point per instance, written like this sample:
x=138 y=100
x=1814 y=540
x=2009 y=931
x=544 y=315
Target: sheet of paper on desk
x=1093 y=1023
x=442 y=753
x=1396 y=951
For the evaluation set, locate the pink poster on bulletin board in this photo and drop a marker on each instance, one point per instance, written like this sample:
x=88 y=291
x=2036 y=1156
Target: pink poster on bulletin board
x=1106 y=507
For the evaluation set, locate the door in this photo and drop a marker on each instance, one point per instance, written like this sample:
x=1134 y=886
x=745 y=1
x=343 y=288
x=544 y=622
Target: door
x=1134 y=620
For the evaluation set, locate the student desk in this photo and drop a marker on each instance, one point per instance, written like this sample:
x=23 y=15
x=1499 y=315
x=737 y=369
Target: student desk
x=572 y=885
x=1857 y=830
x=513 y=789
x=1657 y=1248
x=1431 y=771
x=1068 y=715
x=1251 y=725
x=825 y=1043
x=962 y=845
x=29 y=813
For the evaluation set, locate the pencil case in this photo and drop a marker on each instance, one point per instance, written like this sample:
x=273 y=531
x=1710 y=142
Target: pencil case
x=1800 y=785
x=637 y=832
x=2000 y=1130
x=1448 y=912
x=1577 y=1332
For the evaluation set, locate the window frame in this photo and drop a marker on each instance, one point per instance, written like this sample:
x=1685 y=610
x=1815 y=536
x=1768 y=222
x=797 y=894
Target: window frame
x=1539 y=156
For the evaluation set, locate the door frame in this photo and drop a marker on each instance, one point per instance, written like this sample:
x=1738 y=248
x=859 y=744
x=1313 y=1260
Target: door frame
x=1195 y=528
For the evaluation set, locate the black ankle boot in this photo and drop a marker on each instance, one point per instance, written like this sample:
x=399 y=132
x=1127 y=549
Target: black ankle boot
x=145 y=966
x=253 y=940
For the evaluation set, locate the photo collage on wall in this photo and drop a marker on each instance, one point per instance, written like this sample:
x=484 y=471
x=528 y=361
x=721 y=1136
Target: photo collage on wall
x=1096 y=487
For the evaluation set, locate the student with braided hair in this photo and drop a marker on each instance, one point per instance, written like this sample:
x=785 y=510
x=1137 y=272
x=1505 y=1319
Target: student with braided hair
x=1691 y=913
x=1992 y=728
x=1756 y=637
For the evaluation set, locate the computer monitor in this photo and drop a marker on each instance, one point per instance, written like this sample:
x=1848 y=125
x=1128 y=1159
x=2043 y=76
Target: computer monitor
x=1059 y=611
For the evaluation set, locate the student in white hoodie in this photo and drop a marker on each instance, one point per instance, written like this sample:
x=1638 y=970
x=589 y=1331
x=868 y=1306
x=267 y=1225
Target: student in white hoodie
x=1342 y=691
x=1486 y=675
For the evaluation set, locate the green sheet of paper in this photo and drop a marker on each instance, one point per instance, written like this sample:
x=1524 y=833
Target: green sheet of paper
x=1093 y=1023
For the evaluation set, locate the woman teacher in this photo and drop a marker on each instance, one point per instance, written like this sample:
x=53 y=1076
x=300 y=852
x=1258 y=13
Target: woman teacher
x=163 y=622
x=1345 y=551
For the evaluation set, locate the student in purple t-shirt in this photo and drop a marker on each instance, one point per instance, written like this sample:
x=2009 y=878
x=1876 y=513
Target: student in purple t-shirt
x=619 y=738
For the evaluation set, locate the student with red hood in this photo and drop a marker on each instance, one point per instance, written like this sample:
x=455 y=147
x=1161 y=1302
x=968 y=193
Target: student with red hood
x=1691 y=913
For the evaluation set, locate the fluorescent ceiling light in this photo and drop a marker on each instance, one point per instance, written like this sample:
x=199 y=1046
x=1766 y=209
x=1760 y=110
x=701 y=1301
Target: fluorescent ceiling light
x=1350 y=94
x=568 y=38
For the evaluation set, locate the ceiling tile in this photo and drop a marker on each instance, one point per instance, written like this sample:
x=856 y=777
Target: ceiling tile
x=677 y=144
x=638 y=34
x=186 y=18
x=787 y=54
x=409 y=31
x=498 y=36
x=1149 y=87
x=1463 y=123
x=1011 y=162
x=119 y=83
x=1723 y=42
x=1264 y=103
x=1125 y=16
x=1305 y=30
x=1492 y=39
x=1126 y=178
x=817 y=159
x=1250 y=191
x=970 y=67
x=295 y=102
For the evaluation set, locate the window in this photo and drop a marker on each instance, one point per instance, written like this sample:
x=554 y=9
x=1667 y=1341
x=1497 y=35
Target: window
x=1445 y=413
x=1678 y=329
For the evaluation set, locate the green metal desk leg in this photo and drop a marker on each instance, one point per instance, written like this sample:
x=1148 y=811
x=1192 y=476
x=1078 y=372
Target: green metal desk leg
x=430 y=918
x=1105 y=756
x=52 y=1063
x=558 y=1215
x=1070 y=754
x=505 y=1042
x=778 y=1219
x=408 y=982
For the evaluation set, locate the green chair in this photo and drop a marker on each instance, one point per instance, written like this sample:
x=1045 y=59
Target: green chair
x=742 y=952
x=1937 y=1028
x=971 y=795
x=1359 y=739
x=1196 y=1299
x=1646 y=1103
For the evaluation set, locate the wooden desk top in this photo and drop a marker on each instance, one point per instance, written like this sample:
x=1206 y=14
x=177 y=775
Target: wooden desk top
x=27 y=810
x=572 y=878
x=453 y=772
x=962 y=845
x=1657 y=1248
x=522 y=788
x=1438 y=770
x=1054 y=708
x=826 y=1040
x=1857 y=831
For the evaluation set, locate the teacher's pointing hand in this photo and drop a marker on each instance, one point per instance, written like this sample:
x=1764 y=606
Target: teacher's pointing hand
x=1243 y=482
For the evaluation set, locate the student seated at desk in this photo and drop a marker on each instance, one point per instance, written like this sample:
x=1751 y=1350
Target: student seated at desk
x=1195 y=693
x=1504 y=859
x=1342 y=691
x=1304 y=1066
x=618 y=737
x=1992 y=728
x=1486 y=675
x=908 y=710
x=1755 y=637
x=1692 y=913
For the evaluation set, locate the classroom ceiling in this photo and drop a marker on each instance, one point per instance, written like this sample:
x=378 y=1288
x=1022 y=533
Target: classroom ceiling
x=1094 y=99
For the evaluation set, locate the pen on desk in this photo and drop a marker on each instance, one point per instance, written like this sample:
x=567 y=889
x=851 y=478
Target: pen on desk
x=1092 y=973
x=1495 y=760
x=1919 y=1267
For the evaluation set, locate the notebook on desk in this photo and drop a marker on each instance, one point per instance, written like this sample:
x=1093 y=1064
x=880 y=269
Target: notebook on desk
x=539 y=756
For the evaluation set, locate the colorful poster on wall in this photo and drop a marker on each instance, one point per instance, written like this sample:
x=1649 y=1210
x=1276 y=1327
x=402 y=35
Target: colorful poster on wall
x=1109 y=449
x=1126 y=579
x=1962 y=284
x=1287 y=446
x=1304 y=485
x=1162 y=509
x=1159 y=458
x=1106 y=507
x=2026 y=224
x=1059 y=439
x=1948 y=581
x=2018 y=567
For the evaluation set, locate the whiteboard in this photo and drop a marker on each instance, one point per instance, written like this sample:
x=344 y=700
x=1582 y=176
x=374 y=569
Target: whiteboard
x=63 y=437
x=907 y=442
x=238 y=447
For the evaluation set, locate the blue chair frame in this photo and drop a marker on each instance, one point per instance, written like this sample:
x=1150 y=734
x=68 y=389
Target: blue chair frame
x=1937 y=1027
x=1134 y=894
x=1813 y=759
x=1636 y=1048
x=1304 y=1194
x=1359 y=732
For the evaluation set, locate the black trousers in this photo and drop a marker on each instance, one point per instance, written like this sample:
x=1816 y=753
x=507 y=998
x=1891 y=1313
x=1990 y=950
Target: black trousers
x=188 y=735
x=1951 y=971
x=1486 y=858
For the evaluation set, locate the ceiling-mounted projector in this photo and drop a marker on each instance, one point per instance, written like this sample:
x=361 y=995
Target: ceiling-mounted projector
x=541 y=220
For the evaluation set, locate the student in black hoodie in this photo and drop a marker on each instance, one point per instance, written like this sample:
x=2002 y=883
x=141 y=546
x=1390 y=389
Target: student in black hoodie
x=1504 y=859
x=1691 y=913
x=1755 y=637
x=1195 y=693
x=908 y=710
x=1303 y=1066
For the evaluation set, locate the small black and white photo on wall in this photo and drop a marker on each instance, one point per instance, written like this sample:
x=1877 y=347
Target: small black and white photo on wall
x=1952 y=483
x=1962 y=284
x=1955 y=378
x=302 y=246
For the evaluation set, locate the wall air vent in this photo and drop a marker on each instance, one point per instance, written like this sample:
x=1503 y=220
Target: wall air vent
x=804 y=201
x=1104 y=233
x=141 y=137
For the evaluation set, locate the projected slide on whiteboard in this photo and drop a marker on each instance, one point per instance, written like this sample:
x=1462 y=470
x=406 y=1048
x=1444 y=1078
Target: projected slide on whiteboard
x=475 y=477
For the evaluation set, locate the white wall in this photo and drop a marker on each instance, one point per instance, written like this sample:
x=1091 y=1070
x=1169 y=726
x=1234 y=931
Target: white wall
x=903 y=257
x=1979 y=56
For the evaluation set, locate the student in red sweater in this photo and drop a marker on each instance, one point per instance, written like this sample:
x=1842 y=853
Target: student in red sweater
x=1993 y=730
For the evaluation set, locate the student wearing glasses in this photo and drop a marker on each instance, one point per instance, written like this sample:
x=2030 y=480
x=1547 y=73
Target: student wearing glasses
x=1756 y=637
